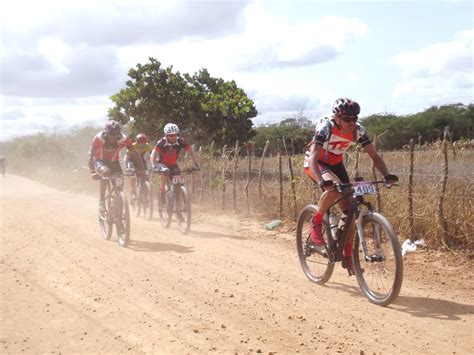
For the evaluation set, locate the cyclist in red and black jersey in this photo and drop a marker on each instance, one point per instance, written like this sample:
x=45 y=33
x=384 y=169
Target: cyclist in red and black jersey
x=164 y=155
x=104 y=156
x=324 y=162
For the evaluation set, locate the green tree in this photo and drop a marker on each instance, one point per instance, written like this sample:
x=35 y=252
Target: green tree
x=206 y=108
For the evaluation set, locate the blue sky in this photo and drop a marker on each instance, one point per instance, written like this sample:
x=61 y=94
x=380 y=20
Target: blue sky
x=61 y=61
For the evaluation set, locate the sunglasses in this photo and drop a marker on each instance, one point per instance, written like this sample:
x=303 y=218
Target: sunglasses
x=349 y=118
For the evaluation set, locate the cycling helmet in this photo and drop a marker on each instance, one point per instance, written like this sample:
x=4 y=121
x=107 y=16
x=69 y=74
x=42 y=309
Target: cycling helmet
x=345 y=107
x=171 y=128
x=112 y=127
x=142 y=138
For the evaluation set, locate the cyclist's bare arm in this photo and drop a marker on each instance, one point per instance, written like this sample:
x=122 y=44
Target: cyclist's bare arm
x=127 y=158
x=315 y=152
x=377 y=159
x=194 y=157
x=135 y=157
x=152 y=158
x=91 y=158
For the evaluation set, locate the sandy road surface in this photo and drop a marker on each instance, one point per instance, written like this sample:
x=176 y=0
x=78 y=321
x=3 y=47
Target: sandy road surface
x=227 y=287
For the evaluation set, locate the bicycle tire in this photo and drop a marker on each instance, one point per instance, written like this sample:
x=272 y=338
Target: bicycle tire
x=183 y=209
x=380 y=281
x=146 y=197
x=165 y=211
x=137 y=204
x=317 y=267
x=122 y=219
x=106 y=225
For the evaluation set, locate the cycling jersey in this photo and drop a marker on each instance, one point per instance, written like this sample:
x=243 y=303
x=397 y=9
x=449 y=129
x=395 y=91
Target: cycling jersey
x=168 y=153
x=334 y=142
x=104 y=150
x=142 y=150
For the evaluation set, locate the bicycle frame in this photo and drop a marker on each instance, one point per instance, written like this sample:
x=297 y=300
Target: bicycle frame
x=354 y=210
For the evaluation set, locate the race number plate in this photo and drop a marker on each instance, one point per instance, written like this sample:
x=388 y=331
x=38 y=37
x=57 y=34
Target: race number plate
x=178 y=179
x=365 y=188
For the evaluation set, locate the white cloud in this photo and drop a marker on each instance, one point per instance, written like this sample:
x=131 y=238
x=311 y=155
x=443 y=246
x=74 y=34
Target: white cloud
x=441 y=58
x=439 y=73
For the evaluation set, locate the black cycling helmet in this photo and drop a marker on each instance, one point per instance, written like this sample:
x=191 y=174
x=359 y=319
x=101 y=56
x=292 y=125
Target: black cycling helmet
x=112 y=127
x=345 y=107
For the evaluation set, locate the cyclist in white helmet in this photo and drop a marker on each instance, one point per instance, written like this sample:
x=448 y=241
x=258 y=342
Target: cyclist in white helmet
x=165 y=154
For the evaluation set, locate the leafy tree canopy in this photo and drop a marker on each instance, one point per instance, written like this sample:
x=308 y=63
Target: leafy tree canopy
x=205 y=108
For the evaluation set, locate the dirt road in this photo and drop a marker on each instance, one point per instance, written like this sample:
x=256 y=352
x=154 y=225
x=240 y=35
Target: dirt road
x=229 y=286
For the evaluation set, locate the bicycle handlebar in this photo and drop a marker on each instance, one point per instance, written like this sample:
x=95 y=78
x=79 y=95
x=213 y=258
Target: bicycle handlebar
x=341 y=187
x=167 y=171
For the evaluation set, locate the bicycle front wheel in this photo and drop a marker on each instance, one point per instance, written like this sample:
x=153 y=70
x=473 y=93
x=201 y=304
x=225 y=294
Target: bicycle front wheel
x=165 y=209
x=123 y=219
x=146 y=200
x=183 y=209
x=316 y=265
x=380 y=272
x=106 y=218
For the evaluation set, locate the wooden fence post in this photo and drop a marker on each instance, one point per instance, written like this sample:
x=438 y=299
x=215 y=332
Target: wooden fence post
x=292 y=180
x=234 y=174
x=260 y=195
x=441 y=219
x=411 y=222
x=356 y=163
x=247 y=185
x=374 y=174
x=224 y=166
x=211 y=185
x=193 y=187
x=280 y=180
x=200 y=178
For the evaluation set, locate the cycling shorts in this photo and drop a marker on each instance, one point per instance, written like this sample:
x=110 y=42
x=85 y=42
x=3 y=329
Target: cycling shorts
x=113 y=166
x=338 y=169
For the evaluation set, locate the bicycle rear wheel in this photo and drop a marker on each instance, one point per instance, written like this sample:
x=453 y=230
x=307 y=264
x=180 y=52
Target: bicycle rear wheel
x=316 y=265
x=123 y=219
x=146 y=200
x=165 y=209
x=183 y=209
x=380 y=277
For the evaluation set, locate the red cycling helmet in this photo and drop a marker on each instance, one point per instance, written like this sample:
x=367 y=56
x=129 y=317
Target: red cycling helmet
x=142 y=138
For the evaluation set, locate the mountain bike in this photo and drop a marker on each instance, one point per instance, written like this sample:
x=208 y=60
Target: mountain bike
x=116 y=211
x=376 y=253
x=177 y=200
x=143 y=200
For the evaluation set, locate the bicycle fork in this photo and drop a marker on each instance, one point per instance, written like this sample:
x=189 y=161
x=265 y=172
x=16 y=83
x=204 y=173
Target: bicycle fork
x=378 y=256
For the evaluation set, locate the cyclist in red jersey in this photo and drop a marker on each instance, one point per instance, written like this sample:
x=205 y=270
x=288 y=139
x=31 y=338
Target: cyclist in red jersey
x=164 y=155
x=324 y=163
x=104 y=156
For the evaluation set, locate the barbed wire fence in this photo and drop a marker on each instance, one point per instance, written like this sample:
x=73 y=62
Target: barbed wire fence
x=434 y=199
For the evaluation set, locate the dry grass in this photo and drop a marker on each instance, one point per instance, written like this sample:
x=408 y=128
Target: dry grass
x=428 y=169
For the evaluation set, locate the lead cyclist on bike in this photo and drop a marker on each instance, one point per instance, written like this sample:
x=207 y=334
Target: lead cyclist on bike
x=165 y=154
x=104 y=156
x=324 y=165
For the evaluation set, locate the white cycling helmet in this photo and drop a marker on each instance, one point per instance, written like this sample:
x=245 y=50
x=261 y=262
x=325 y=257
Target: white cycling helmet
x=171 y=128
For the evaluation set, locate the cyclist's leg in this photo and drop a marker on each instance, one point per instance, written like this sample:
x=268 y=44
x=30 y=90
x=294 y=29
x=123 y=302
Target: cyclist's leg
x=325 y=201
x=103 y=170
x=133 y=178
x=115 y=169
x=162 y=189
x=344 y=205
